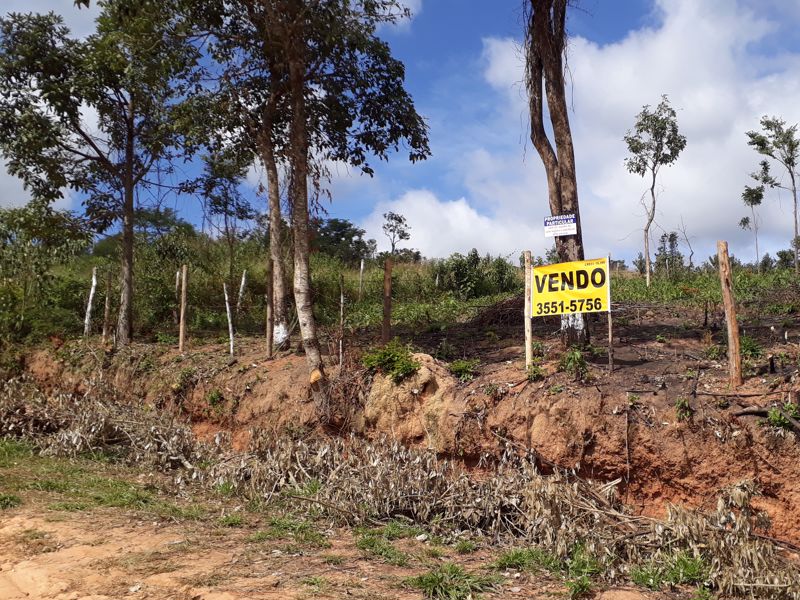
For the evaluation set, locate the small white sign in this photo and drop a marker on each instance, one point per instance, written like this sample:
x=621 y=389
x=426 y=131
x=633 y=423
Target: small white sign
x=560 y=225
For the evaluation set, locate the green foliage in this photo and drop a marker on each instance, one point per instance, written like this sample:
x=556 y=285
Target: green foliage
x=776 y=416
x=378 y=546
x=687 y=569
x=214 y=398
x=465 y=547
x=522 y=559
x=655 y=140
x=464 y=369
x=472 y=276
x=716 y=352
x=9 y=501
x=535 y=372
x=573 y=363
x=683 y=410
x=394 y=359
x=538 y=348
x=231 y=520
x=676 y=569
x=451 y=582
x=649 y=575
x=749 y=347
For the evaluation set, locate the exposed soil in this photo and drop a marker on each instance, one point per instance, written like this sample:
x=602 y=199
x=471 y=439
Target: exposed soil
x=622 y=426
x=111 y=553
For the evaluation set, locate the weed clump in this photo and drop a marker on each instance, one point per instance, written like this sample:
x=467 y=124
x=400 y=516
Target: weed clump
x=574 y=363
x=452 y=582
x=464 y=369
x=394 y=359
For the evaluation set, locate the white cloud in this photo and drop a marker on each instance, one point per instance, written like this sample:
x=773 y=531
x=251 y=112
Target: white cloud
x=702 y=55
x=441 y=227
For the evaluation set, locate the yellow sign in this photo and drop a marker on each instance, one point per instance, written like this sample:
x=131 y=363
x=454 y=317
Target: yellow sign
x=583 y=286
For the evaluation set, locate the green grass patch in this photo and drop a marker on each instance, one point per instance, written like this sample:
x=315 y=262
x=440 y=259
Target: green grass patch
x=394 y=360
x=9 y=501
x=302 y=532
x=464 y=369
x=452 y=582
x=524 y=559
x=466 y=547
x=377 y=546
x=231 y=520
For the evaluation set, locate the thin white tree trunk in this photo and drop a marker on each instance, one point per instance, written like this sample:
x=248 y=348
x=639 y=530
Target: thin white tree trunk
x=182 y=319
x=241 y=292
x=361 y=280
x=107 y=309
x=87 y=322
x=230 y=319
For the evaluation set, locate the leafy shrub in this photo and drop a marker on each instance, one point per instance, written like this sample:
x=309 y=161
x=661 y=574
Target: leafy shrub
x=716 y=352
x=9 y=501
x=683 y=410
x=749 y=347
x=394 y=359
x=573 y=363
x=215 y=398
x=535 y=372
x=464 y=368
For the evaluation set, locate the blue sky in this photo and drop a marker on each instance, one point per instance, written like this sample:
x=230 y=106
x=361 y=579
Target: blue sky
x=724 y=64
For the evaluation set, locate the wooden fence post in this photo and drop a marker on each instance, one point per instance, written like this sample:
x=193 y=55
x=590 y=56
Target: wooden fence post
x=87 y=321
x=270 y=313
x=527 y=313
x=230 y=319
x=182 y=323
x=107 y=309
x=386 y=330
x=734 y=353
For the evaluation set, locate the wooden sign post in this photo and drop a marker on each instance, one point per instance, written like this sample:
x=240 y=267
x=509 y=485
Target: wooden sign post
x=734 y=354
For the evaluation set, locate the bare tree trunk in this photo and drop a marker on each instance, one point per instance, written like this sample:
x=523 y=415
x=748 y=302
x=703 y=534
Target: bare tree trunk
x=795 y=243
x=107 y=309
x=125 y=316
x=276 y=236
x=651 y=215
x=87 y=321
x=299 y=189
x=545 y=43
x=755 y=234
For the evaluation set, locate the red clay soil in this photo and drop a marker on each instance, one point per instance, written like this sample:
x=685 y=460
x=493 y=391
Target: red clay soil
x=662 y=424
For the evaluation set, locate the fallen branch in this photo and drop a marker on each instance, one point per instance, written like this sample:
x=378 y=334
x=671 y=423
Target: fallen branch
x=760 y=411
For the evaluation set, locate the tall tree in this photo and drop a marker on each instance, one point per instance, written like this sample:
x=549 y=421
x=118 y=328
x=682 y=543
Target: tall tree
x=346 y=102
x=132 y=72
x=342 y=239
x=752 y=197
x=395 y=227
x=655 y=142
x=545 y=44
x=781 y=144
